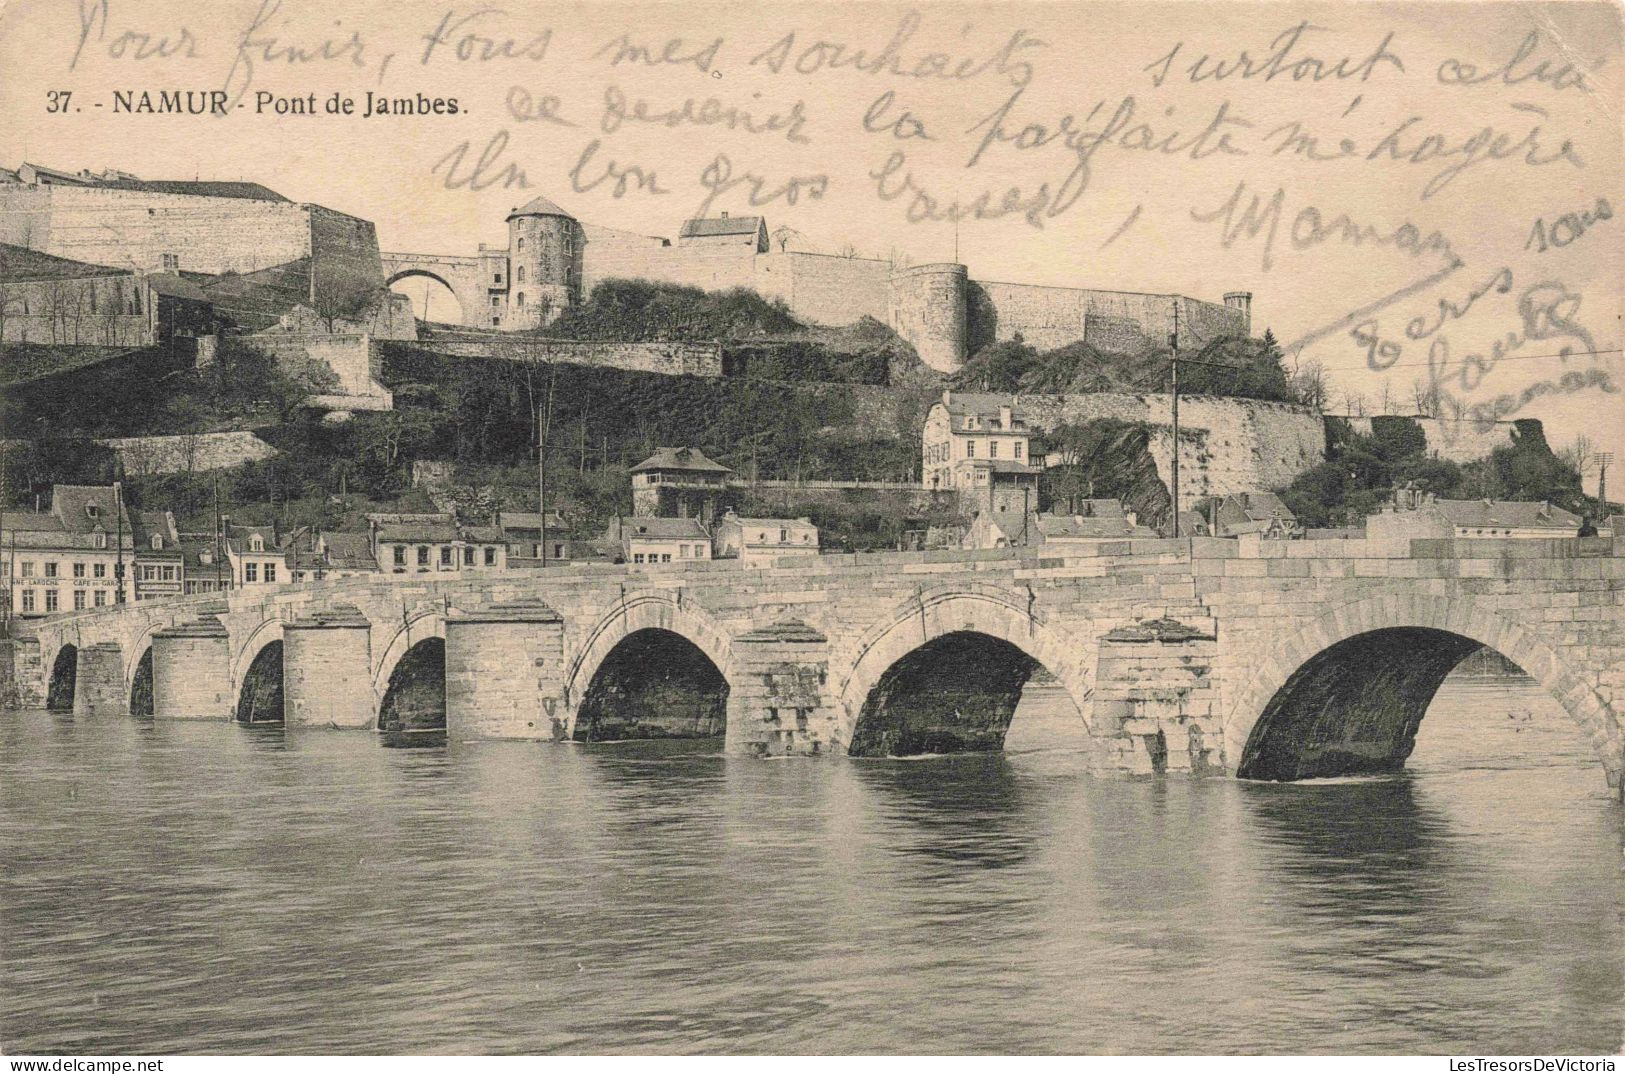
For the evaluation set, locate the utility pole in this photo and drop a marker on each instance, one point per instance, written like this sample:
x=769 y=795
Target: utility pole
x=542 y=423
x=118 y=553
x=217 y=528
x=1173 y=343
x=1603 y=459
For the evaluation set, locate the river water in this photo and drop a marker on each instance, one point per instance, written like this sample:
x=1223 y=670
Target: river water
x=181 y=887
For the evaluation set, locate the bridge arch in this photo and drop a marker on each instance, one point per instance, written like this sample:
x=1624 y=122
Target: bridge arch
x=419 y=272
x=636 y=614
x=415 y=628
x=64 y=677
x=139 y=687
x=945 y=617
x=1418 y=639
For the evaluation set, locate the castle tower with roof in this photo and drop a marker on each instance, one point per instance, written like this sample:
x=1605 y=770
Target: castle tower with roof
x=545 y=246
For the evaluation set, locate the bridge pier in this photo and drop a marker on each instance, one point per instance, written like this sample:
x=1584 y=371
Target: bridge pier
x=99 y=681
x=326 y=670
x=777 y=702
x=22 y=674
x=504 y=672
x=1156 y=705
x=191 y=671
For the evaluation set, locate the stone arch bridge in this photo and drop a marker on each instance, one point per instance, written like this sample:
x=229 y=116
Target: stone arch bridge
x=1274 y=660
x=465 y=277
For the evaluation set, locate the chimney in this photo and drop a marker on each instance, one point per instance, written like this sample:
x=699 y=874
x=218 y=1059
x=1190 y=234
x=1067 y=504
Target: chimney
x=1243 y=301
x=1006 y=416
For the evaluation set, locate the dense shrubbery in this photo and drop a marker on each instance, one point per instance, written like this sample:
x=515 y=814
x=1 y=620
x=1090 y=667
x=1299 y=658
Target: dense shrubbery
x=639 y=309
x=1361 y=472
x=1252 y=370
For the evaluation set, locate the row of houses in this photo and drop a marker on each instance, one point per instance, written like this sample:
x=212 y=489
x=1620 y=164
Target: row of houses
x=89 y=549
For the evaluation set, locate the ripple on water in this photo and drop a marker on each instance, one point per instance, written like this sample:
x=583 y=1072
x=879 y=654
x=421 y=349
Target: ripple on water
x=177 y=887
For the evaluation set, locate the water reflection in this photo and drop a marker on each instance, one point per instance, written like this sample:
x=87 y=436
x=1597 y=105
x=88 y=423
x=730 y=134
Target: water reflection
x=172 y=886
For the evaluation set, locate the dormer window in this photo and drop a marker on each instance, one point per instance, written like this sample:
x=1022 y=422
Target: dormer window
x=92 y=511
x=157 y=542
x=256 y=543
x=99 y=539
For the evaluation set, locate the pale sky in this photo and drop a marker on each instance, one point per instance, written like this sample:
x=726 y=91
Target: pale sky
x=1447 y=131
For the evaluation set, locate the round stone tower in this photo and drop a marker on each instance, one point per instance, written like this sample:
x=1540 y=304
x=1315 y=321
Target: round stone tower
x=1243 y=301
x=928 y=310
x=545 y=246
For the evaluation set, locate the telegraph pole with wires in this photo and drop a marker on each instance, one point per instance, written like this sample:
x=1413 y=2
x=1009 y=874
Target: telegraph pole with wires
x=1173 y=344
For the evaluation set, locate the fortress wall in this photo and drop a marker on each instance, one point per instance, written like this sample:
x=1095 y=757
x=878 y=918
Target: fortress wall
x=711 y=268
x=825 y=290
x=106 y=311
x=135 y=228
x=345 y=267
x=1226 y=445
x=1050 y=317
x=1459 y=440
x=671 y=358
x=144 y=455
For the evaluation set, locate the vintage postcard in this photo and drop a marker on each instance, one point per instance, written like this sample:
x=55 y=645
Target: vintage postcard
x=811 y=529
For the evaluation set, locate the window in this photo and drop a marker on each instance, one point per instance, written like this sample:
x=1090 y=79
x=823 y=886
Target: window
x=970 y=449
x=78 y=570
x=400 y=555
x=27 y=568
x=521 y=302
x=699 y=551
x=496 y=278
x=521 y=250
x=50 y=600
x=783 y=536
x=28 y=600
x=665 y=557
x=445 y=555
x=521 y=276
x=423 y=555
x=99 y=539
x=992 y=449
x=92 y=511
x=491 y=557
x=496 y=300
x=1018 y=449
x=637 y=557
x=251 y=572
x=50 y=570
x=682 y=551
x=558 y=551
x=157 y=541
x=78 y=600
x=101 y=598
x=270 y=572
x=172 y=262
x=495 y=321
x=99 y=570
x=468 y=557
x=167 y=574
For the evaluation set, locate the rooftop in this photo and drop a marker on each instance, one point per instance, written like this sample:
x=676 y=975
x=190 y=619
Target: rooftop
x=1508 y=514
x=1061 y=527
x=663 y=528
x=539 y=206
x=86 y=508
x=712 y=226
x=984 y=406
x=681 y=458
